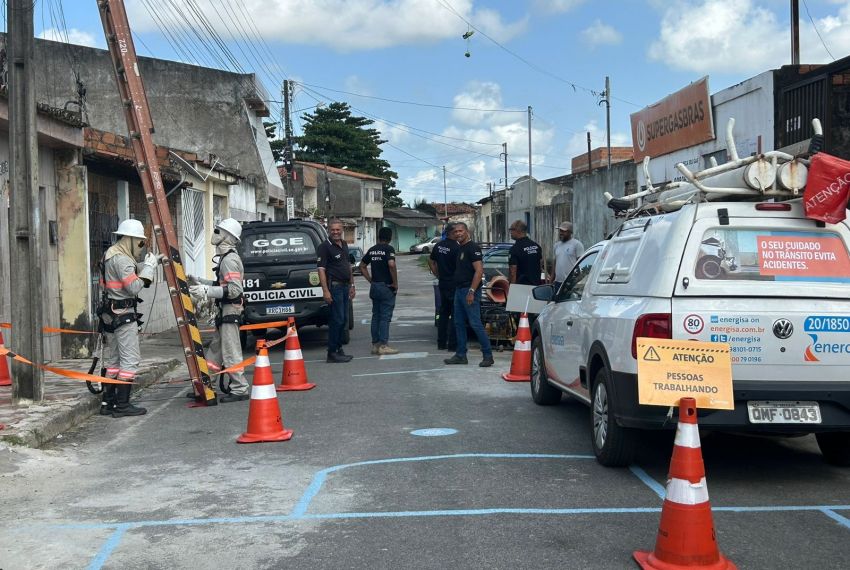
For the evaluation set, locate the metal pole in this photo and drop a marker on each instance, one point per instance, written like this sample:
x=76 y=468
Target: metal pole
x=505 y=154
x=287 y=137
x=529 y=144
x=589 y=160
x=795 y=32
x=445 y=196
x=608 y=119
x=25 y=223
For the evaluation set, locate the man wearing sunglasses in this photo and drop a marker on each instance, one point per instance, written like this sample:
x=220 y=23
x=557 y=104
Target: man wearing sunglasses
x=122 y=278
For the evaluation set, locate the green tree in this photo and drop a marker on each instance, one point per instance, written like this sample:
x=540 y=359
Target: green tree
x=276 y=144
x=334 y=135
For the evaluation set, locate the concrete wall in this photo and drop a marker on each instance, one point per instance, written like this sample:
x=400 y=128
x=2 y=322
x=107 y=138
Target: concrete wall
x=193 y=108
x=528 y=194
x=591 y=217
x=751 y=104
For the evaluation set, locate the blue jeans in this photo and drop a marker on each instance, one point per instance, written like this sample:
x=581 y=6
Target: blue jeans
x=339 y=316
x=464 y=313
x=383 y=303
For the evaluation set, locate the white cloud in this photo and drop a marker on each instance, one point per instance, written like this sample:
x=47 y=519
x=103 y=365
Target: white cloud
x=744 y=36
x=600 y=34
x=355 y=84
x=557 y=6
x=349 y=25
x=72 y=36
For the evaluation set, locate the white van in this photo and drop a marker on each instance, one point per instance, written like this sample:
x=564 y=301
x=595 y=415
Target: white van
x=757 y=275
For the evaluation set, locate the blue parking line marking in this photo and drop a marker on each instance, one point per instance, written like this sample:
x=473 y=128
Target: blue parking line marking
x=108 y=547
x=319 y=478
x=656 y=487
x=844 y=521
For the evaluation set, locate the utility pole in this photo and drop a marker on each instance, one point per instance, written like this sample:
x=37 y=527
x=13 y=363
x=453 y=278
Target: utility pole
x=26 y=208
x=288 y=157
x=795 y=32
x=445 y=196
x=608 y=119
x=529 y=144
x=532 y=187
x=504 y=155
x=589 y=160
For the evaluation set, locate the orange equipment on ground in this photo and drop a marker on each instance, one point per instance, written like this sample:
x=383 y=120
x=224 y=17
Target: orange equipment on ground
x=521 y=359
x=5 y=379
x=686 y=536
x=294 y=376
x=264 y=420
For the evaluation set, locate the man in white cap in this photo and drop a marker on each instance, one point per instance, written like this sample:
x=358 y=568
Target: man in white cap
x=567 y=252
x=123 y=276
x=225 y=350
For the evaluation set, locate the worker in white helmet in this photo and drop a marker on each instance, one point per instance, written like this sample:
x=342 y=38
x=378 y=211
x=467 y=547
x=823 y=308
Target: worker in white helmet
x=225 y=350
x=123 y=275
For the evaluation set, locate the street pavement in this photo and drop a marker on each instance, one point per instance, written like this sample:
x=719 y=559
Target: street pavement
x=395 y=462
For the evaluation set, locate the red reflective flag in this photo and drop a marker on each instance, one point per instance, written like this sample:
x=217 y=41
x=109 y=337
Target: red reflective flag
x=827 y=188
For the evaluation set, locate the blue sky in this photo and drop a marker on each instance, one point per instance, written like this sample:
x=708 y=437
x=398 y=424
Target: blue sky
x=402 y=63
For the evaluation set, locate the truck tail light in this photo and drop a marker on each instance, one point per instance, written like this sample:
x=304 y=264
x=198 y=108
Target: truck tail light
x=652 y=325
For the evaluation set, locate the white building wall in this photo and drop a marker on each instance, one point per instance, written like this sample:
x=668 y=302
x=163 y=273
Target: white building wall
x=242 y=201
x=750 y=103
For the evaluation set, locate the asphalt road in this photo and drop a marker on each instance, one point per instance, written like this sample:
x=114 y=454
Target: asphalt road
x=496 y=482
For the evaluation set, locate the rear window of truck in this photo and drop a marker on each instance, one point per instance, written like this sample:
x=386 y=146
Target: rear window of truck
x=753 y=254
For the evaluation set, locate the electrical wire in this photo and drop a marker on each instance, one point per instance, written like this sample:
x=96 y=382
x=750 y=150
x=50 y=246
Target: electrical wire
x=806 y=6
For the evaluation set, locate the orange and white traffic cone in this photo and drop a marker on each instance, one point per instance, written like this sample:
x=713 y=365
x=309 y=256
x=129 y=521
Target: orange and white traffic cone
x=686 y=537
x=521 y=359
x=294 y=376
x=5 y=379
x=264 y=420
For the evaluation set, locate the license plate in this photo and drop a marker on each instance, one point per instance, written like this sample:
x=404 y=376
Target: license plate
x=765 y=412
x=280 y=310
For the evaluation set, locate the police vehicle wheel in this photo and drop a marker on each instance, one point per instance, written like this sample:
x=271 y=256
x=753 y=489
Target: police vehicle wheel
x=835 y=447
x=543 y=393
x=613 y=445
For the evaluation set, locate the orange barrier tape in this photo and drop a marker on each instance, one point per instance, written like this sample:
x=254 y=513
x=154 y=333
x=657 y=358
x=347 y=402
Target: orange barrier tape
x=236 y=367
x=5 y=325
x=274 y=325
x=66 y=331
x=72 y=374
x=275 y=342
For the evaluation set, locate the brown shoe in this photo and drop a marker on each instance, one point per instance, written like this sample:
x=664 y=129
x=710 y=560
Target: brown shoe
x=375 y=346
x=385 y=349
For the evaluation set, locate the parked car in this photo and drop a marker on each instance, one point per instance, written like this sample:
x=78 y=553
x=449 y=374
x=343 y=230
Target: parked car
x=356 y=254
x=281 y=279
x=787 y=324
x=425 y=246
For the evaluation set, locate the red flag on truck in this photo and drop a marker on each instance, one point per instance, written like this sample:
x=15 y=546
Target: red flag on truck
x=827 y=188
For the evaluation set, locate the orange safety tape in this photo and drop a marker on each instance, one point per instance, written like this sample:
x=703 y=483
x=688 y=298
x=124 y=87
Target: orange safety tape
x=5 y=325
x=66 y=331
x=236 y=367
x=275 y=342
x=72 y=374
x=274 y=325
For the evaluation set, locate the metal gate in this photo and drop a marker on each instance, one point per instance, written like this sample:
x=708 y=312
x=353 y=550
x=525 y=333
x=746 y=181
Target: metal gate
x=194 y=243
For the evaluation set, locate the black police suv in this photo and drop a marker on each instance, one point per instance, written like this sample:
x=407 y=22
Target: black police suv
x=281 y=278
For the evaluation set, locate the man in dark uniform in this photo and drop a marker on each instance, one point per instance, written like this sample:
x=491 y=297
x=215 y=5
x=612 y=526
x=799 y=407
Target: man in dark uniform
x=337 y=287
x=526 y=256
x=468 y=274
x=442 y=262
x=383 y=289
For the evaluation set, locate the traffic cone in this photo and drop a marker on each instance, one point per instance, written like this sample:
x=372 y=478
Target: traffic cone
x=5 y=379
x=521 y=359
x=686 y=537
x=264 y=421
x=294 y=375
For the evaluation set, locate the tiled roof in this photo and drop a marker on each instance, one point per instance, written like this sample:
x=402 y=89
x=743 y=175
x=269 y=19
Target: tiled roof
x=343 y=171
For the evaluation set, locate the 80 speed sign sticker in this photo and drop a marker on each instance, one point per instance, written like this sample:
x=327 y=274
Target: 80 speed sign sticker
x=693 y=324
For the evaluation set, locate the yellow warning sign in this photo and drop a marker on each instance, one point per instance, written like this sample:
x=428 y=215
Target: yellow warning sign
x=669 y=370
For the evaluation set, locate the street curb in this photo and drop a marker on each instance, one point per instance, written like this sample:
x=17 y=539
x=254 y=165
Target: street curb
x=48 y=419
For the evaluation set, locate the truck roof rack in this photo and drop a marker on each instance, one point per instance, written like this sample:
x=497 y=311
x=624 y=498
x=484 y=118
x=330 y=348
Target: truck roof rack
x=773 y=174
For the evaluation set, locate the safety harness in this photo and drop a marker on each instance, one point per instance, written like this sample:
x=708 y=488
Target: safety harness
x=117 y=309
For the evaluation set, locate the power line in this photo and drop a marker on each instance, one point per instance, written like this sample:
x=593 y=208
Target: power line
x=806 y=6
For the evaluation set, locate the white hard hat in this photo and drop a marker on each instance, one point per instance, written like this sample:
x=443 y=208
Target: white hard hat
x=132 y=228
x=232 y=227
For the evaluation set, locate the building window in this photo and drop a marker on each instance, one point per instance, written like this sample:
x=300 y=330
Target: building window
x=219 y=208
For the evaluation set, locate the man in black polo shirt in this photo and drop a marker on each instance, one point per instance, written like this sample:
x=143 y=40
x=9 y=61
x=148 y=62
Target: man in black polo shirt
x=526 y=256
x=384 y=280
x=442 y=262
x=337 y=287
x=468 y=274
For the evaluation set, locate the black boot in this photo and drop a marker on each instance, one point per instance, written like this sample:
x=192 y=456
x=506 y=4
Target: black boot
x=123 y=407
x=107 y=404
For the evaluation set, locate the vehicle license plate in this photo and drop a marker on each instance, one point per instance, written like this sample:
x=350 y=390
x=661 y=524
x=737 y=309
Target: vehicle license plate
x=287 y=309
x=765 y=412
